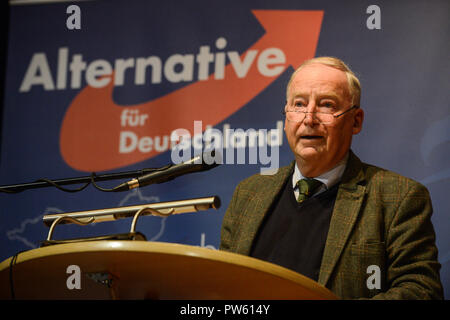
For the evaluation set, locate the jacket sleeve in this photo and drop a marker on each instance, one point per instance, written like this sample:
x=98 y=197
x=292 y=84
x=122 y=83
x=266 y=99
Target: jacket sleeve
x=227 y=229
x=412 y=265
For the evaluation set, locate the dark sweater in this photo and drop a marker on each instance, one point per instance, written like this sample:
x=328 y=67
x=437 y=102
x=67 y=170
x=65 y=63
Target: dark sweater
x=293 y=235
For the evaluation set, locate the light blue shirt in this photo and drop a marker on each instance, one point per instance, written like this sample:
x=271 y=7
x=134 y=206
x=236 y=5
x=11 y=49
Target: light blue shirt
x=329 y=178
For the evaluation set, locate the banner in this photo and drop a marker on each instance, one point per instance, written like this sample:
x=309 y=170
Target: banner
x=112 y=86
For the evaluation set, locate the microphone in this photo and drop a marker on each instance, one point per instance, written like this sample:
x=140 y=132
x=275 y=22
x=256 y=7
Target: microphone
x=195 y=164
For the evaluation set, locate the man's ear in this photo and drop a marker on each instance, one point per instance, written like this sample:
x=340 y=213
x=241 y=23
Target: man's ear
x=358 y=120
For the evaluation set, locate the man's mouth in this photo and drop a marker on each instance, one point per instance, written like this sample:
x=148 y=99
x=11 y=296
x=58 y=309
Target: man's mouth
x=310 y=137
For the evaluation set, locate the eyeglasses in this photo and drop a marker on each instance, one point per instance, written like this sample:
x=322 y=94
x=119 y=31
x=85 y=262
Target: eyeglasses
x=295 y=114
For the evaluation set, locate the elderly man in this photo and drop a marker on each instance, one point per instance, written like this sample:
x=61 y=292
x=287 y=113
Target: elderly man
x=329 y=216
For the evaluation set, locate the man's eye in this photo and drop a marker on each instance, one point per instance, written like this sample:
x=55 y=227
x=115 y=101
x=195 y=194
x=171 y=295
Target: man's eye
x=327 y=105
x=299 y=104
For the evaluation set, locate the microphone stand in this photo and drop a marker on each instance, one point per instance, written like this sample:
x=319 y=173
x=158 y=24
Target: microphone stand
x=91 y=216
x=43 y=183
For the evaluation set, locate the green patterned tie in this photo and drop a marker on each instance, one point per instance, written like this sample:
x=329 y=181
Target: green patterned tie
x=307 y=188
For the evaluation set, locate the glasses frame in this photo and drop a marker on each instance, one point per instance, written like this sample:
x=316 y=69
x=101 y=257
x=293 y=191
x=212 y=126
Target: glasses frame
x=284 y=112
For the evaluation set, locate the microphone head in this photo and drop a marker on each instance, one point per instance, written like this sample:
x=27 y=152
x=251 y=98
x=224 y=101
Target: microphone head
x=211 y=159
x=205 y=161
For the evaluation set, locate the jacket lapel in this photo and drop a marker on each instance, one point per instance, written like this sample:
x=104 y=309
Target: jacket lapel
x=346 y=209
x=268 y=188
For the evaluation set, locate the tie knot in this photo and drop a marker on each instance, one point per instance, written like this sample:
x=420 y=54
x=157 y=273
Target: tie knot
x=307 y=187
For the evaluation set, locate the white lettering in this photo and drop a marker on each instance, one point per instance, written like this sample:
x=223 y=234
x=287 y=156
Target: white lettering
x=180 y=138
x=204 y=58
x=141 y=68
x=165 y=144
x=187 y=72
x=219 y=66
x=177 y=68
x=74 y=20
x=38 y=73
x=271 y=56
x=374 y=281
x=76 y=67
x=374 y=20
x=241 y=67
x=128 y=142
x=203 y=242
x=74 y=280
x=95 y=72
x=61 y=77
x=145 y=144
x=119 y=70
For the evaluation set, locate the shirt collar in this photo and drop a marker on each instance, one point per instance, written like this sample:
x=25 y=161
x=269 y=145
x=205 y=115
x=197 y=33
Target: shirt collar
x=329 y=178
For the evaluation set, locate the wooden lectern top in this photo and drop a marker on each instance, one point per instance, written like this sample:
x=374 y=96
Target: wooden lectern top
x=149 y=270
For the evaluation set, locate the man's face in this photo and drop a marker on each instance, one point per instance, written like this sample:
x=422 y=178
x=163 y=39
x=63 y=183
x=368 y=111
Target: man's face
x=319 y=147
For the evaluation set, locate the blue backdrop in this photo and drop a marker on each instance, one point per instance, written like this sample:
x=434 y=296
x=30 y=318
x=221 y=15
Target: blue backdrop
x=57 y=124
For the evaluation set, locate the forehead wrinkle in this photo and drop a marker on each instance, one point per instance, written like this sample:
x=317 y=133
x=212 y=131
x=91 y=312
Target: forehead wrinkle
x=325 y=94
x=320 y=79
x=309 y=84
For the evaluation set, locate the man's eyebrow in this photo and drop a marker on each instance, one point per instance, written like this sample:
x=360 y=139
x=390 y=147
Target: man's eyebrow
x=330 y=95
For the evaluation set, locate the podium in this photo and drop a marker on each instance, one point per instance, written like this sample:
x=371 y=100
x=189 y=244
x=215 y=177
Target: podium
x=127 y=269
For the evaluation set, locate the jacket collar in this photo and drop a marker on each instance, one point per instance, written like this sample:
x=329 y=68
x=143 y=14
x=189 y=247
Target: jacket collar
x=346 y=209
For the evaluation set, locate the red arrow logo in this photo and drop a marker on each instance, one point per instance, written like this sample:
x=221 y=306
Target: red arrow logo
x=91 y=128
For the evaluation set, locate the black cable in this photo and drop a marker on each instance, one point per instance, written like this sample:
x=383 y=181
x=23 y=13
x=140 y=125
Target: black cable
x=10 y=191
x=11 y=281
x=97 y=186
x=92 y=179
x=62 y=188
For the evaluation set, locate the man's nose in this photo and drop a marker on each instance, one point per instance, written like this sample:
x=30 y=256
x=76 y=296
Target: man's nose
x=310 y=116
x=309 y=119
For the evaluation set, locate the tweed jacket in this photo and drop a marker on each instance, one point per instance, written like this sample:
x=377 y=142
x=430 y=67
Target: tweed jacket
x=379 y=218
